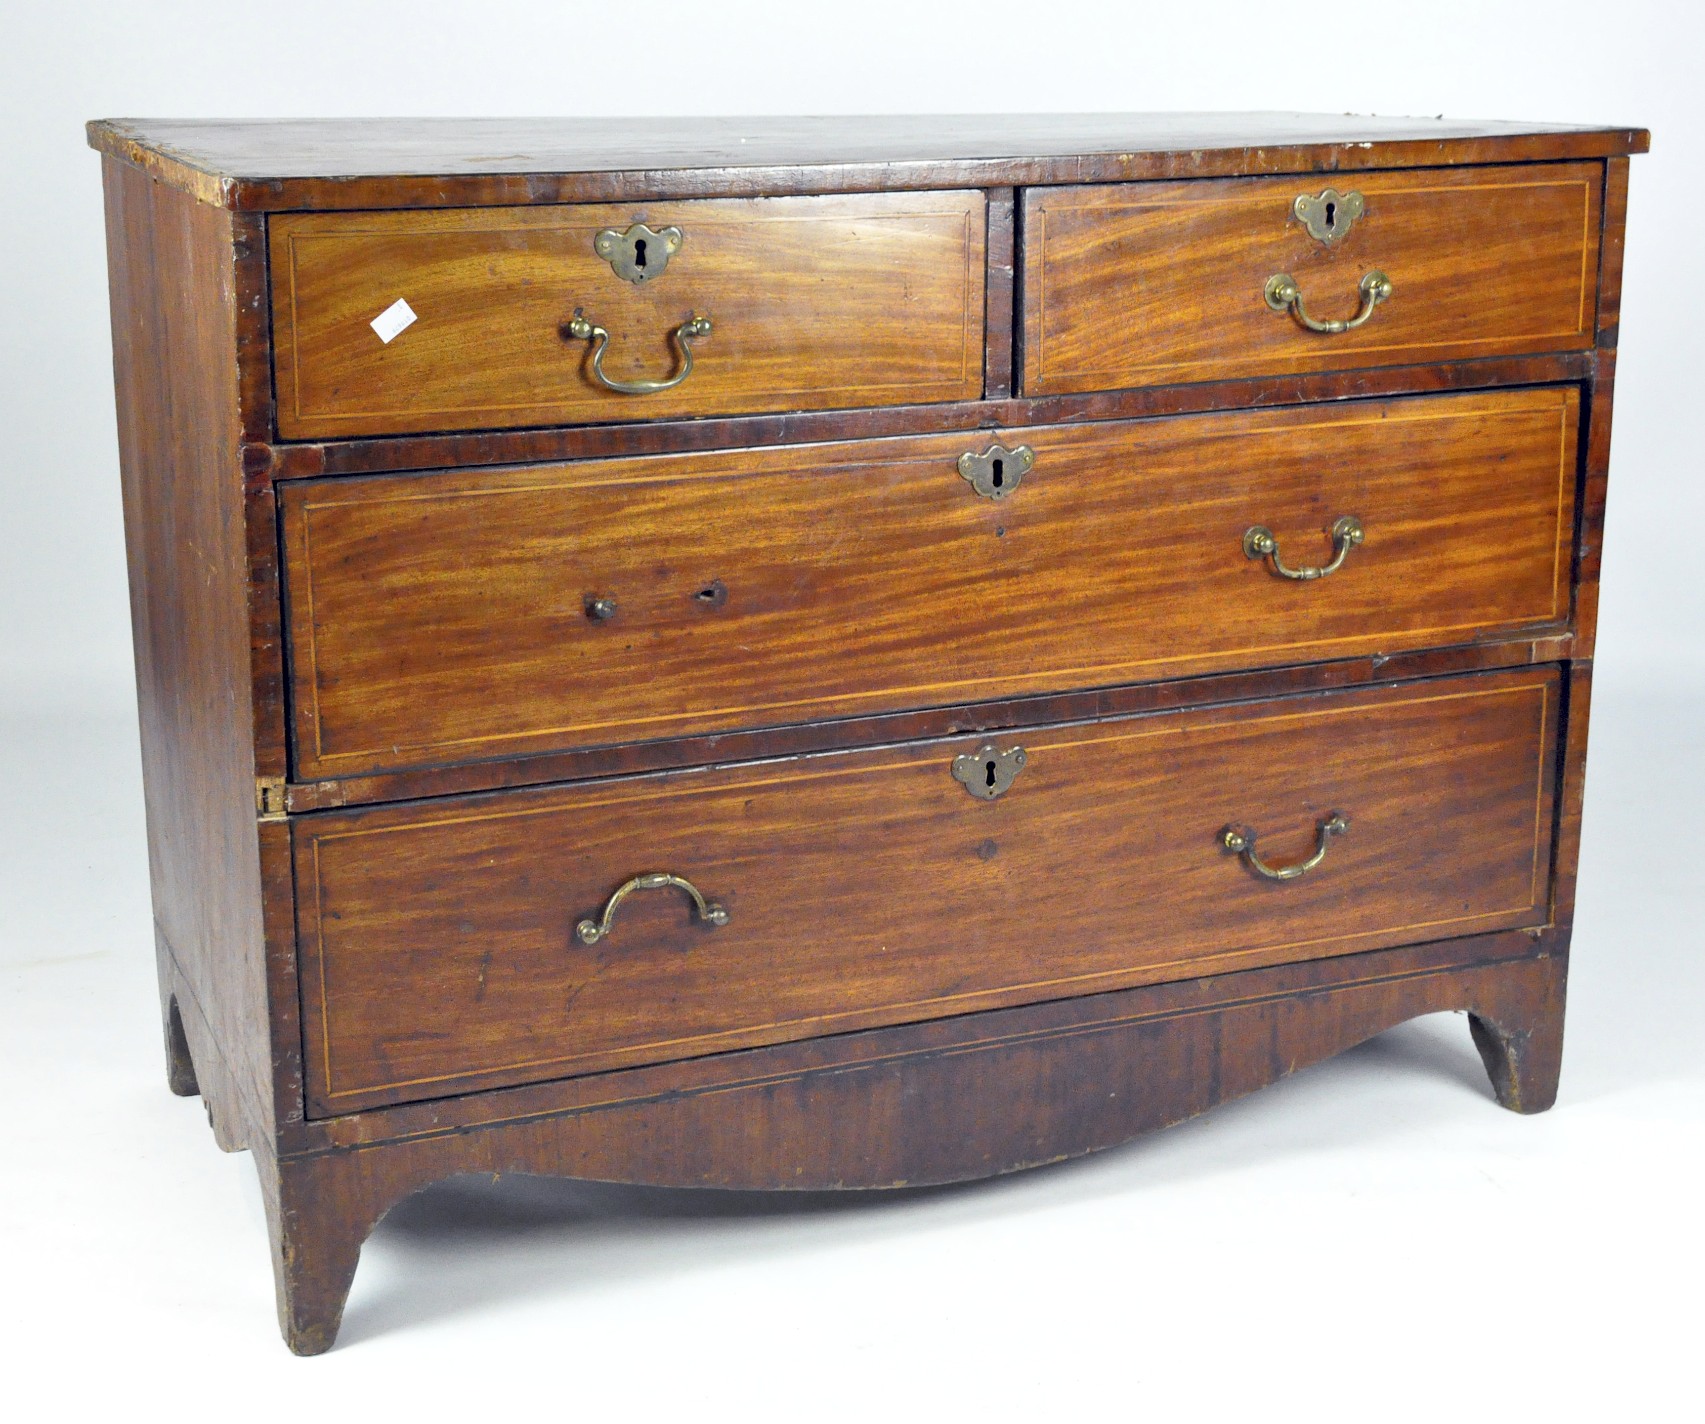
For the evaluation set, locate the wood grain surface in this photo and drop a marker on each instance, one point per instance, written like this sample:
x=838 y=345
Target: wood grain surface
x=815 y=302
x=443 y=617
x=1148 y=284
x=438 y=941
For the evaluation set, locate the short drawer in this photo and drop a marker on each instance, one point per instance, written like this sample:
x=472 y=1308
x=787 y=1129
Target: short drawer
x=1147 y=284
x=811 y=303
x=455 y=616
x=485 y=941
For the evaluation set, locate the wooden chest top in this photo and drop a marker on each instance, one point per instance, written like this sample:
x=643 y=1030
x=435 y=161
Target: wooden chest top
x=433 y=162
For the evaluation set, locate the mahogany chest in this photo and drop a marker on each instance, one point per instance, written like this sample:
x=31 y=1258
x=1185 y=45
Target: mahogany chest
x=845 y=653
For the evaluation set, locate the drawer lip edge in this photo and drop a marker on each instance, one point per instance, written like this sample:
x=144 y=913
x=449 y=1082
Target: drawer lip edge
x=284 y=461
x=1539 y=646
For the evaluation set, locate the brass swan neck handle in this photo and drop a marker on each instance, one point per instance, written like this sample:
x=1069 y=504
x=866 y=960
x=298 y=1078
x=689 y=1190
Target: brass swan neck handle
x=591 y=931
x=1259 y=542
x=1283 y=294
x=1242 y=842
x=683 y=336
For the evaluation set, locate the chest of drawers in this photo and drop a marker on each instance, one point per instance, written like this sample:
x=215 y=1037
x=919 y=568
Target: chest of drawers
x=845 y=653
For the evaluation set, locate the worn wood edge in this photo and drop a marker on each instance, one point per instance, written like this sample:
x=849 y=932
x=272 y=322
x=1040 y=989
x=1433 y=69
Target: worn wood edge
x=1592 y=499
x=283 y=989
x=110 y=137
x=400 y=454
x=1571 y=789
x=258 y=192
x=253 y=292
x=1598 y=413
x=266 y=633
x=1612 y=244
x=1522 y=649
x=1000 y=252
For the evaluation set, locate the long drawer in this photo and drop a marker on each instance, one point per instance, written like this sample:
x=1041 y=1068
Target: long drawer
x=488 y=940
x=1144 y=284
x=454 y=616
x=464 y=318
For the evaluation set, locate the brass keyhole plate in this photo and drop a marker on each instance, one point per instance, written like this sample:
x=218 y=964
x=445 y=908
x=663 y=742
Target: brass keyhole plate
x=989 y=771
x=1330 y=216
x=996 y=472
x=639 y=254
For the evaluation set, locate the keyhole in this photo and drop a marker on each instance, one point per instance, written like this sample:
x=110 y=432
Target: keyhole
x=1331 y=220
x=998 y=477
x=991 y=777
x=639 y=249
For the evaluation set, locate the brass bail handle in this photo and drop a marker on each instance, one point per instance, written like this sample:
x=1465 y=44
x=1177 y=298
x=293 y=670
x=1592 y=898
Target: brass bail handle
x=591 y=931
x=1346 y=531
x=1283 y=294
x=1242 y=842
x=683 y=336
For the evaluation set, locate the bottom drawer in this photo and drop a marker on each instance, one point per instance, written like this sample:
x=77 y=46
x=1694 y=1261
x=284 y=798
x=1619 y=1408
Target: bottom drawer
x=442 y=946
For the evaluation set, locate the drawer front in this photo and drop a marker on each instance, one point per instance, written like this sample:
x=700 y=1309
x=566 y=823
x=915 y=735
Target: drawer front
x=813 y=303
x=440 y=948
x=1147 y=284
x=455 y=616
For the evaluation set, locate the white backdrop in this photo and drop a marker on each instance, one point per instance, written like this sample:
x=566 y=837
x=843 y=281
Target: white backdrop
x=1372 y=1236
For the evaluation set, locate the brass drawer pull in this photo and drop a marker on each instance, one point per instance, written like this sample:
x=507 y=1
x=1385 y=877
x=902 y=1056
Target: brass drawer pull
x=1283 y=294
x=683 y=336
x=591 y=931
x=1346 y=532
x=1242 y=842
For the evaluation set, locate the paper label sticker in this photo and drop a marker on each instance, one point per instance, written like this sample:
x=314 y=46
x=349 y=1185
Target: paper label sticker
x=393 y=321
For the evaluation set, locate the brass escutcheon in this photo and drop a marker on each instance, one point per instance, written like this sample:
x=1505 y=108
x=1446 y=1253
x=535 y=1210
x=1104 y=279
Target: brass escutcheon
x=996 y=472
x=591 y=931
x=1346 y=533
x=1330 y=216
x=988 y=771
x=639 y=254
x=1242 y=842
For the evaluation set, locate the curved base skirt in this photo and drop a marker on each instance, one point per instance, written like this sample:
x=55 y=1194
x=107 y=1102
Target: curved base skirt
x=947 y=1101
